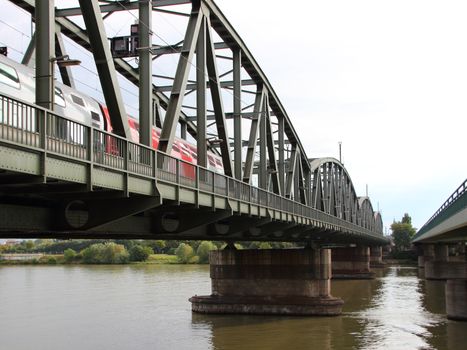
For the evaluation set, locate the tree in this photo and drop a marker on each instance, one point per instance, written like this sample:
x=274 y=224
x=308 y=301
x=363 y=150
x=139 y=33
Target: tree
x=108 y=253
x=402 y=233
x=140 y=253
x=203 y=251
x=184 y=253
x=69 y=255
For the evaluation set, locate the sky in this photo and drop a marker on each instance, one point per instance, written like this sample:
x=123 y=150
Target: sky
x=388 y=79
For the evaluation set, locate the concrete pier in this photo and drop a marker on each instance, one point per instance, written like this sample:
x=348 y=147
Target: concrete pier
x=426 y=253
x=351 y=263
x=440 y=268
x=270 y=281
x=376 y=257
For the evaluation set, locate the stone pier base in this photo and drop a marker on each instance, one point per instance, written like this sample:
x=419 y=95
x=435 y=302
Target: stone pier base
x=351 y=263
x=456 y=299
x=270 y=281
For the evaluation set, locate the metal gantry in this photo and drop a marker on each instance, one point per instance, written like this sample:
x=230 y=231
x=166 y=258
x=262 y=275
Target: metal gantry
x=218 y=93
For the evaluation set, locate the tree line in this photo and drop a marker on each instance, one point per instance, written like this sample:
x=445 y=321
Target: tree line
x=125 y=251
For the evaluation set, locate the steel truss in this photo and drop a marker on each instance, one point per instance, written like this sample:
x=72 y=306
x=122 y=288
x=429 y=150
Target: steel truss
x=272 y=157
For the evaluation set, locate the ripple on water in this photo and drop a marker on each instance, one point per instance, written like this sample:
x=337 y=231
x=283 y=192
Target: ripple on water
x=396 y=318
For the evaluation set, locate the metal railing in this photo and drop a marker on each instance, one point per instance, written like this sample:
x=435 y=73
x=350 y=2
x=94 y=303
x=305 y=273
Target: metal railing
x=51 y=133
x=453 y=198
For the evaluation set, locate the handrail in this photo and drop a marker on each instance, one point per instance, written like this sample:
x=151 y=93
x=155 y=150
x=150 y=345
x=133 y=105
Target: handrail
x=60 y=135
x=450 y=201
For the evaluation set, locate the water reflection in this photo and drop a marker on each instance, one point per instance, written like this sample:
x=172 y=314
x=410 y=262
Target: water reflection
x=396 y=317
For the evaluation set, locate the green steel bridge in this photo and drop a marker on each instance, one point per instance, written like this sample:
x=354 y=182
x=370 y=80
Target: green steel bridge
x=62 y=178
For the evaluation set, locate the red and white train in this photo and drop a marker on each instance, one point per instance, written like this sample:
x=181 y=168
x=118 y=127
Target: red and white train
x=17 y=80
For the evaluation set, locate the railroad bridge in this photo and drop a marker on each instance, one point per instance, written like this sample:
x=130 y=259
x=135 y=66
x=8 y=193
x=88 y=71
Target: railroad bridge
x=212 y=154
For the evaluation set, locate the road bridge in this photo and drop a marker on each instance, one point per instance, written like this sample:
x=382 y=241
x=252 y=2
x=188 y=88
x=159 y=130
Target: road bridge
x=441 y=244
x=71 y=167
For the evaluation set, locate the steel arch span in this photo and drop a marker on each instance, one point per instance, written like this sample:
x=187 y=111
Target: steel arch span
x=333 y=192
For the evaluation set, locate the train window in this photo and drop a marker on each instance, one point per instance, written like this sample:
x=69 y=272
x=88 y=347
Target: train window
x=9 y=76
x=95 y=116
x=78 y=100
x=59 y=98
x=175 y=148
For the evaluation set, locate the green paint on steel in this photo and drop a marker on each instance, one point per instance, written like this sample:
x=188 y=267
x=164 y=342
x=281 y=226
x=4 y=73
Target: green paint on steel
x=455 y=203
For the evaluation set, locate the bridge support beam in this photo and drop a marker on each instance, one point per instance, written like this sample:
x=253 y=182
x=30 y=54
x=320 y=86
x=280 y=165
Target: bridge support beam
x=376 y=257
x=351 y=263
x=270 y=281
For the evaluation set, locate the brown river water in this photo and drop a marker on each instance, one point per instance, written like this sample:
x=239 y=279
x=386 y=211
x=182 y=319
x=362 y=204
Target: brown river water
x=146 y=307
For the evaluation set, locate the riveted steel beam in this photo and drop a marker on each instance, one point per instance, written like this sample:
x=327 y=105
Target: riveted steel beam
x=120 y=6
x=60 y=51
x=272 y=164
x=45 y=53
x=201 y=96
x=105 y=66
x=145 y=72
x=216 y=96
x=180 y=82
x=291 y=171
x=237 y=111
x=258 y=111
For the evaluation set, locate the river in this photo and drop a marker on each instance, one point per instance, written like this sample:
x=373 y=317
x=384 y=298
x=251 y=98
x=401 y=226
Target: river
x=146 y=307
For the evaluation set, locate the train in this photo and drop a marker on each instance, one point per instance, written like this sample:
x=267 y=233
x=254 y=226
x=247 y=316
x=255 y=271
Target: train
x=17 y=80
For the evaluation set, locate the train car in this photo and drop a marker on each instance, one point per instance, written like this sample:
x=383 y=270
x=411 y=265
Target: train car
x=17 y=80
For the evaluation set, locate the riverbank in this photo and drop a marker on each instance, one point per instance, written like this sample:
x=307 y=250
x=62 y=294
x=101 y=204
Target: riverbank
x=59 y=259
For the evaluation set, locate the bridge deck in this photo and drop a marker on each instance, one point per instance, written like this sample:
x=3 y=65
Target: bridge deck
x=40 y=148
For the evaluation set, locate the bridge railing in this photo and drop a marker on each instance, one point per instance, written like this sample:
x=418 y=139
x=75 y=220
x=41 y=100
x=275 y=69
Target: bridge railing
x=38 y=128
x=447 y=206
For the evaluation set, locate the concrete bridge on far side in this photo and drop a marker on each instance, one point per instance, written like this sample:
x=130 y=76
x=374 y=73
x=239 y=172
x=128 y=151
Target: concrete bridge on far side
x=441 y=244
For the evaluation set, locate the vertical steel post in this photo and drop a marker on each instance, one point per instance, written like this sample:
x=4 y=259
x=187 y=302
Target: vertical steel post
x=237 y=106
x=65 y=72
x=45 y=50
x=145 y=72
x=263 y=171
x=281 y=154
x=183 y=128
x=201 y=95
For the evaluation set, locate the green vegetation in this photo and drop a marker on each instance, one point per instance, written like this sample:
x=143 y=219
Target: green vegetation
x=402 y=233
x=140 y=253
x=105 y=253
x=123 y=251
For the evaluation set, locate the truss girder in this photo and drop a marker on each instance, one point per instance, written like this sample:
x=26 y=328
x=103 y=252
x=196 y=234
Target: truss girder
x=334 y=193
x=323 y=184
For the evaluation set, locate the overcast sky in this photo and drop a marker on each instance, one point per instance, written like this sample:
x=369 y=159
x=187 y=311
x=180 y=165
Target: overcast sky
x=387 y=78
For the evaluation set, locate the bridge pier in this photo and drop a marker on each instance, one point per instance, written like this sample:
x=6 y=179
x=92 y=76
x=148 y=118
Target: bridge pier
x=426 y=252
x=270 y=281
x=376 y=257
x=456 y=299
x=454 y=271
x=351 y=263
